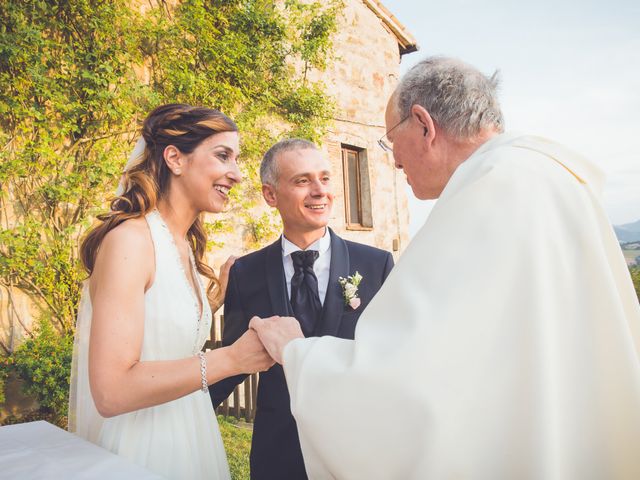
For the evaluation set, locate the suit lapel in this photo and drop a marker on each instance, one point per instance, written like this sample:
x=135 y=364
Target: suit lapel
x=276 y=282
x=333 y=307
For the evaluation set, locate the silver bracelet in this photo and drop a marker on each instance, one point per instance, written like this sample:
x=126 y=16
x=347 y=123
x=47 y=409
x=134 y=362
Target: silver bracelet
x=203 y=372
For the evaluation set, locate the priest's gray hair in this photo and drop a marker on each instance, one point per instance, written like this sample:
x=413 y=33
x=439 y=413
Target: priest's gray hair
x=269 y=165
x=460 y=99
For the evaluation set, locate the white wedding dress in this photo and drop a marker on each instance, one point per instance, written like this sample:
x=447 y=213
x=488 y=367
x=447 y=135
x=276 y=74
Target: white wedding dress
x=178 y=439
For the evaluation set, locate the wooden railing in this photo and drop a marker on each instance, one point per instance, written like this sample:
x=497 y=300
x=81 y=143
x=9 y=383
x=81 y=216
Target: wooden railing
x=241 y=404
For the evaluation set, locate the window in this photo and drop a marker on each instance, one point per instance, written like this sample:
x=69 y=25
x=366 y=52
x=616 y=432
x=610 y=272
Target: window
x=357 y=190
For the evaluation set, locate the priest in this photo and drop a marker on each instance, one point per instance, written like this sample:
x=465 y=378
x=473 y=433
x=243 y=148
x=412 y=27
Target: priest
x=505 y=343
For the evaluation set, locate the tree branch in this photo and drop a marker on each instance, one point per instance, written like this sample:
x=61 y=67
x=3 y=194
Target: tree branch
x=12 y=303
x=101 y=137
x=5 y=348
x=27 y=281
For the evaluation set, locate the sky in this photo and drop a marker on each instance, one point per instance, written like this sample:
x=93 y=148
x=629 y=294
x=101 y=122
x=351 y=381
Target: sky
x=570 y=71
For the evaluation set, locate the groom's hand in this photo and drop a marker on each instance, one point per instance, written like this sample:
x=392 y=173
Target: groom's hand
x=275 y=333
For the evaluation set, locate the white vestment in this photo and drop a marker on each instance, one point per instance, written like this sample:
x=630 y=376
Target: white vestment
x=504 y=344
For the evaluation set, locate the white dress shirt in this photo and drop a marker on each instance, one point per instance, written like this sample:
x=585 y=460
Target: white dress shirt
x=320 y=266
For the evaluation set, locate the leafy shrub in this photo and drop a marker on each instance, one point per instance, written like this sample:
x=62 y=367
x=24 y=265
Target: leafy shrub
x=35 y=415
x=44 y=364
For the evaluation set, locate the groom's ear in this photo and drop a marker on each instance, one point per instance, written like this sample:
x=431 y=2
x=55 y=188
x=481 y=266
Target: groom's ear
x=269 y=194
x=174 y=159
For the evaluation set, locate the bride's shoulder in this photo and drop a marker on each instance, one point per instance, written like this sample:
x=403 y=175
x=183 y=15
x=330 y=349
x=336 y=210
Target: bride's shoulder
x=131 y=236
x=125 y=255
x=131 y=232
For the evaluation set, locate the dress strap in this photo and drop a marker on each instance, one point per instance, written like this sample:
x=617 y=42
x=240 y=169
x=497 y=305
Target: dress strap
x=155 y=226
x=168 y=258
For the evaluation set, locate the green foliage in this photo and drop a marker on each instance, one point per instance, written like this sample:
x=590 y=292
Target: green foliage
x=4 y=372
x=259 y=228
x=75 y=80
x=312 y=26
x=237 y=444
x=635 y=277
x=44 y=364
x=67 y=91
x=241 y=57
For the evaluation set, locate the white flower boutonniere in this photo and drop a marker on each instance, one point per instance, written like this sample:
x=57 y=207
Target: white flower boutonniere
x=350 y=289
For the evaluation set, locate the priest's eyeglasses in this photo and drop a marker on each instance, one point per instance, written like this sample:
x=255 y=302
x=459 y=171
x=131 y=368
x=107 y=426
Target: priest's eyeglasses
x=384 y=142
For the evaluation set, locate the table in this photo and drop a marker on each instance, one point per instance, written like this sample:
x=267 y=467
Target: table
x=39 y=450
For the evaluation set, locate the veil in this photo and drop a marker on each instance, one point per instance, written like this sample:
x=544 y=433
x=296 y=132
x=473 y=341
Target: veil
x=134 y=159
x=84 y=419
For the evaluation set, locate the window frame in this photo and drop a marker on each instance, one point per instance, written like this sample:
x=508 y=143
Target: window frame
x=360 y=162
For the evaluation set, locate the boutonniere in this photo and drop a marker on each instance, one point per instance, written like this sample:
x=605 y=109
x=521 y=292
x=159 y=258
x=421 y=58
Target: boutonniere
x=350 y=289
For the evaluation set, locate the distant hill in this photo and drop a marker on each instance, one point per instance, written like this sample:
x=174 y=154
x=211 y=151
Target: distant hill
x=629 y=232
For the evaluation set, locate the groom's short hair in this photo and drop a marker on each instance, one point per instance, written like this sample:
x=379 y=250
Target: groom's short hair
x=269 y=165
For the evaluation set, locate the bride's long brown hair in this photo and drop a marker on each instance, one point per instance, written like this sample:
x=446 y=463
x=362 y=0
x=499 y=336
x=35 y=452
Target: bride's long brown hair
x=184 y=127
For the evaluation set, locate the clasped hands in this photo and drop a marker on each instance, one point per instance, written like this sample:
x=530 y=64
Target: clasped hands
x=275 y=333
x=262 y=345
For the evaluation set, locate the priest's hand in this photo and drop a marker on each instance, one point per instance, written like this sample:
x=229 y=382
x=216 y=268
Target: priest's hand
x=275 y=333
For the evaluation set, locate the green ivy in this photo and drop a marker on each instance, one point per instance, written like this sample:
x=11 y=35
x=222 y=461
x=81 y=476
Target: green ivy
x=67 y=92
x=238 y=56
x=76 y=78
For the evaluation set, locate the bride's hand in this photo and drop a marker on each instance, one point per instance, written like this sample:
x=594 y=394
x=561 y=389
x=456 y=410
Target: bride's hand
x=223 y=280
x=223 y=277
x=249 y=355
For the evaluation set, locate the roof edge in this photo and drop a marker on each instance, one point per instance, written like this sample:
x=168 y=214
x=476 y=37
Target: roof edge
x=406 y=41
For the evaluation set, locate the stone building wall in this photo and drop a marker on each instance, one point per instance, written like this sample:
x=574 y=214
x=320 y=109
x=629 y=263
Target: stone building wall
x=362 y=76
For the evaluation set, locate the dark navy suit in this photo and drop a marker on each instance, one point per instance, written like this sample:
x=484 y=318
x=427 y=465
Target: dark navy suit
x=257 y=286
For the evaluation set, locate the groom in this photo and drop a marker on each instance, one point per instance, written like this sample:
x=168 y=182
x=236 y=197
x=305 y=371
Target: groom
x=298 y=275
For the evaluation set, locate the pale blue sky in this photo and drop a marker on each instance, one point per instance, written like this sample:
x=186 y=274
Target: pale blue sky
x=570 y=71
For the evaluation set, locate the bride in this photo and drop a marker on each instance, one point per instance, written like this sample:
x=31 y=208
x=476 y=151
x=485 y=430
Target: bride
x=138 y=373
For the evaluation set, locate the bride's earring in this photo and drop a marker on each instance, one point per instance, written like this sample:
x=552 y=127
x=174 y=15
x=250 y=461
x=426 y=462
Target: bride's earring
x=177 y=172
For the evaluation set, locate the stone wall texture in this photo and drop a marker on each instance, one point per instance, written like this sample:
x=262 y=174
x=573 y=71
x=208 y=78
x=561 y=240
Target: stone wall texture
x=361 y=77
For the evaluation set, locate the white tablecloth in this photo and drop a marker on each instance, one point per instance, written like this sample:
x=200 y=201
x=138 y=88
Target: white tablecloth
x=39 y=450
